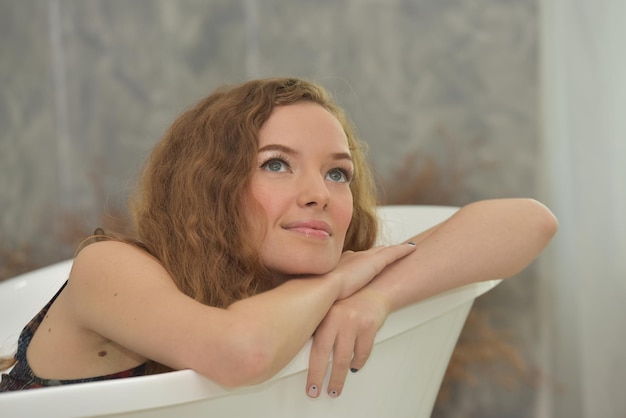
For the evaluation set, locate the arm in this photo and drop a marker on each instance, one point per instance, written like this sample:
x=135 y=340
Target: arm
x=492 y=239
x=483 y=240
x=125 y=296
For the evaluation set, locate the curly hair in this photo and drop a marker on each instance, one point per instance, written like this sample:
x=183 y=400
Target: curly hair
x=189 y=209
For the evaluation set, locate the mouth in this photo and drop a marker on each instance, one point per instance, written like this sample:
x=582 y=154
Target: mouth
x=309 y=228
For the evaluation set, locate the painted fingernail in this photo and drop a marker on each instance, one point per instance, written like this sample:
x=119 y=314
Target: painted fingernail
x=411 y=243
x=353 y=370
x=333 y=393
x=312 y=392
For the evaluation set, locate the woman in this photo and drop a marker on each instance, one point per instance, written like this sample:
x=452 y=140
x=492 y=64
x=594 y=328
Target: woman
x=254 y=230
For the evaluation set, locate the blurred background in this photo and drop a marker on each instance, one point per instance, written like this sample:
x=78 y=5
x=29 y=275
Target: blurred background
x=459 y=100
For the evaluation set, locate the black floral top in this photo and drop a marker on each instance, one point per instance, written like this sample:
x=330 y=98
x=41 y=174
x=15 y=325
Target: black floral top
x=22 y=377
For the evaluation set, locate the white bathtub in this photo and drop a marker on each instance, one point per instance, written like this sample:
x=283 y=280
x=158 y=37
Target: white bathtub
x=401 y=378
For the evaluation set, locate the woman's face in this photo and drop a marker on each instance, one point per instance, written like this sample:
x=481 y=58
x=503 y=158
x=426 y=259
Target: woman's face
x=301 y=182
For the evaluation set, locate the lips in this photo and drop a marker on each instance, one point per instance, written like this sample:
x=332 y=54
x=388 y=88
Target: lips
x=310 y=228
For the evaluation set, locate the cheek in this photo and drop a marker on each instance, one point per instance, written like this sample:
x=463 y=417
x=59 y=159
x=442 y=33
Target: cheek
x=260 y=200
x=344 y=214
x=254 y=204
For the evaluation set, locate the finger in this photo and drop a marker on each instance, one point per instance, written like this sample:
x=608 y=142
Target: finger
x=319 y=358
x=383 y=257
x=378 y=248
x=396 y=252
x=362 y=350
x=342 y=356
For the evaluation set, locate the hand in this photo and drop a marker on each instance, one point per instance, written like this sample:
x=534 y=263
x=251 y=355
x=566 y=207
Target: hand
x=352 y=322
x=357 y=269
x=348 y=331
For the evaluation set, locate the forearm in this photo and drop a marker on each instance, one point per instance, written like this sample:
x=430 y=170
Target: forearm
x=272 y=327
x=482 y=241
x=276 y=324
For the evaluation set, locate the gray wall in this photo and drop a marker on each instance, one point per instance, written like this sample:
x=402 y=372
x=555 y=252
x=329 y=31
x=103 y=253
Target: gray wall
x=445 y=92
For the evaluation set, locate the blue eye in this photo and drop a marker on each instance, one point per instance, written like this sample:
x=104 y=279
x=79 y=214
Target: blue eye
x=338 y=175
x=275 y=165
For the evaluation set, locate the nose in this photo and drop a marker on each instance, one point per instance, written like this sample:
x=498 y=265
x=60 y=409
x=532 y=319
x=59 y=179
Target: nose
x=313 y=191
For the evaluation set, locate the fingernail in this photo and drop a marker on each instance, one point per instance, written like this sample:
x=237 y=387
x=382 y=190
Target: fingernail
x=312 y=391
x=353 y=370
x=411 y=243
x=333 y=393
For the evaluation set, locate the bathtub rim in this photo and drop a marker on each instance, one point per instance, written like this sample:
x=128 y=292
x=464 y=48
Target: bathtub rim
x=149 y=392
x=155 y=391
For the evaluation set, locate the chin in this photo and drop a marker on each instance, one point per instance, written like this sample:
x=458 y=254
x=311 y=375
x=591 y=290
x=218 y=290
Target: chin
x=297 y=268
x=313 y=271
x=301 y=261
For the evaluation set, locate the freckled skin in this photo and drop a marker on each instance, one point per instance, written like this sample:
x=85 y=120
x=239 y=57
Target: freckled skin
x=102 y=353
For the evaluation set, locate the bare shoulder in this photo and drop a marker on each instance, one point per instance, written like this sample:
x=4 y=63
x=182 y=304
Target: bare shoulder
x=111 y=251
x=114 y=276
x=115 y=261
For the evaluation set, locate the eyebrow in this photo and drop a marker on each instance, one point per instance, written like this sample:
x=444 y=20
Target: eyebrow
x=291 y=151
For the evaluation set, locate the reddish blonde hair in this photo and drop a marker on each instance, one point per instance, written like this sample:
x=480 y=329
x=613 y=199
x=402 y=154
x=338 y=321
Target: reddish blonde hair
x=188 y=207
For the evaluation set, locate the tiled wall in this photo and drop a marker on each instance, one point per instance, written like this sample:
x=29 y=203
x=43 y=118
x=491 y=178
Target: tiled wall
x=451 y=86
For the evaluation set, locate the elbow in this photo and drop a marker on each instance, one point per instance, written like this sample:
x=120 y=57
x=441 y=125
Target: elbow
x=251 y=369
x=248 y=361
x=545 y=222
x=523 y=217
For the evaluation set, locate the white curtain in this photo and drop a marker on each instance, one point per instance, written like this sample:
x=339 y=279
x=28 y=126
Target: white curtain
x=583 y=291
